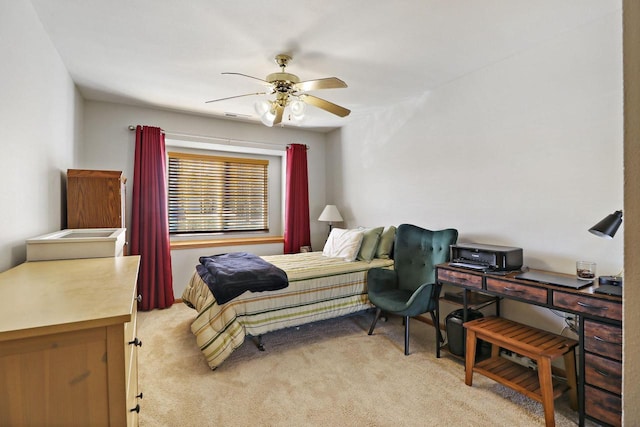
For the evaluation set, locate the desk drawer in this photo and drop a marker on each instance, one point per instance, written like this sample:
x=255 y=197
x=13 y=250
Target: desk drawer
x=604 y=406
x=459 y=278
x=515 y=290
x=587 y=305
x=603 y=373
x=603 y=339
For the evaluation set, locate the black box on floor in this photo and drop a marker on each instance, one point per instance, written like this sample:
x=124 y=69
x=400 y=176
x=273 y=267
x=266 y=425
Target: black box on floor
x=457 y=334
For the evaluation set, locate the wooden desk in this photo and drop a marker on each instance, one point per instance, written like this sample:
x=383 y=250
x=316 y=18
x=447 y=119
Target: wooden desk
x=67 y=350
x=599 y=329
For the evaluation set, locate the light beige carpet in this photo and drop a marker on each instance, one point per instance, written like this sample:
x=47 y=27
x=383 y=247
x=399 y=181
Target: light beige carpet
x=330 y=373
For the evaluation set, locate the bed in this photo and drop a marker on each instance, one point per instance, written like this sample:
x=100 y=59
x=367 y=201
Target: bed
x=320 y=287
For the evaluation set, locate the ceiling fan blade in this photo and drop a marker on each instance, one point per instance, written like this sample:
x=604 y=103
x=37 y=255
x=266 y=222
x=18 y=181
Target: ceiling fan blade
x=246 y=75
x=237 y=96
x=328 y=83
x=325 y=105
x=279 y=112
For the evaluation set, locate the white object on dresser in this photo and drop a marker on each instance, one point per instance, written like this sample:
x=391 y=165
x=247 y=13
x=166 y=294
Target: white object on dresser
x=77 y=243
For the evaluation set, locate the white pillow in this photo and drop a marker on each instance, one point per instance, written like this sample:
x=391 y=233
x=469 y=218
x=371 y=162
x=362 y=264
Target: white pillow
x=343 y=244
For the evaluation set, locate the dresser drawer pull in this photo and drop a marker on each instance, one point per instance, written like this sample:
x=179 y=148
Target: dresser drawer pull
x=139 y=396
x=597 y=338
x=136 y=409
x=506 y=289
x=136 y=342
x=139 y=298
x=606 y=374
x=585 y=305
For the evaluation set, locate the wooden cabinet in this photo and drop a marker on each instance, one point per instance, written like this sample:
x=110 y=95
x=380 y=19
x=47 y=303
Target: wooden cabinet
x=95 y=199
x=68 y=351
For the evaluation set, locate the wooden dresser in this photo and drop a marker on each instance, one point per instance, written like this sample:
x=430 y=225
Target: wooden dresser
x=68 y=350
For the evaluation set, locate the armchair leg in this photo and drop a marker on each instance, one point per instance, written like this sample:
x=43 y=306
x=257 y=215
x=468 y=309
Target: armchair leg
x=439 y=339
x=435 y=316
x=406 y=335
x=437 y=326
x=375 y=320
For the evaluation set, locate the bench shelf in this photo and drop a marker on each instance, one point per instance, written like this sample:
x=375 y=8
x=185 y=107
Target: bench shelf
x=517 y=377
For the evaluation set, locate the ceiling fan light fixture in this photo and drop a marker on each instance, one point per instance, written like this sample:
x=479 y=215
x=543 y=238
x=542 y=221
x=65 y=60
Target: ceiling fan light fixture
x=297 y=108
x=265 y=111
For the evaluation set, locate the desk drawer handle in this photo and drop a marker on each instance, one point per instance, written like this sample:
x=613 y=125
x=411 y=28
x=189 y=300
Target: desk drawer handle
x=606 y=374
x=585 y=305
x=136 y=342
x=597 y=338
x=506 y=289
x=136 y=409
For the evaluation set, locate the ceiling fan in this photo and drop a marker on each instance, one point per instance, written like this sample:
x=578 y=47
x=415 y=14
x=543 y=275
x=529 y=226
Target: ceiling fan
x=290 y=92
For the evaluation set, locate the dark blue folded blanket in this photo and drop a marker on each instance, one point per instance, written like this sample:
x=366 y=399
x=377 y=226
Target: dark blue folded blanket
x=230 y=275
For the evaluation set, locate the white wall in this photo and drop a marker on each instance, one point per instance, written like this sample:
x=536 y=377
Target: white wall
x=40 y=116
x=108 y=144
x=526 y=152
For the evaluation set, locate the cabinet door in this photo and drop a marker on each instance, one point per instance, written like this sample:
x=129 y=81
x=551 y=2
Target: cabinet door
x=95 y=199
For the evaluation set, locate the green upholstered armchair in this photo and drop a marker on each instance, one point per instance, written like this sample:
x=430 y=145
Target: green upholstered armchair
x=410 y=289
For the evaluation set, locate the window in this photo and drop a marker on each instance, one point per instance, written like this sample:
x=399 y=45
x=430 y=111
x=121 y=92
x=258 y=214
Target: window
x=217 y=194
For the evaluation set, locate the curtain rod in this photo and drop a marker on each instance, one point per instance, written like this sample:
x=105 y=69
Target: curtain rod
x=216 y=138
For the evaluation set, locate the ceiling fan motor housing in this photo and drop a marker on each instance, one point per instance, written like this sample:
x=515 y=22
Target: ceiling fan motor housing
x=283 y=82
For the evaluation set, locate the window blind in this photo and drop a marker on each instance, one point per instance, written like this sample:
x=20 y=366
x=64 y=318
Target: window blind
x=217 y=194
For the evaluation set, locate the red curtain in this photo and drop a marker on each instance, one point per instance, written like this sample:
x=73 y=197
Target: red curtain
x=150 y=224
x=296 y=215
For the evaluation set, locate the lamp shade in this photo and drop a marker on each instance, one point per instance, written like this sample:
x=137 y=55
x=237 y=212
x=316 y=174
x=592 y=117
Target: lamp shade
x=264 y=110
x=331 y=214
x=608 y=227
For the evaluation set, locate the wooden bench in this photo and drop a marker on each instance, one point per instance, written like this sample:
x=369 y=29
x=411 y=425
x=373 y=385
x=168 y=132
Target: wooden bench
x=536 y=344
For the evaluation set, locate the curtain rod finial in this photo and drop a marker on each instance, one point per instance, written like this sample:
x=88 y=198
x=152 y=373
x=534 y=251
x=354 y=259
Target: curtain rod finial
x=132 y=127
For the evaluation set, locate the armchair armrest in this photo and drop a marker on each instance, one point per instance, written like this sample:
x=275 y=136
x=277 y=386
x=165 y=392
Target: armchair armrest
x=424 y=299
x=381 y=279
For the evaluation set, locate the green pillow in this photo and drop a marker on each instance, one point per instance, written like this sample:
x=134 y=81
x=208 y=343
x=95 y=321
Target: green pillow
x=386 y=242
x=369 y=243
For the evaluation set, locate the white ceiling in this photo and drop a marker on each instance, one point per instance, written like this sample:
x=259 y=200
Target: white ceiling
x=170 y=54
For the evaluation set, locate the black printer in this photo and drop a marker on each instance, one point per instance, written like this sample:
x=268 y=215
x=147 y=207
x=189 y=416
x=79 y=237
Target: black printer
x=485 y=257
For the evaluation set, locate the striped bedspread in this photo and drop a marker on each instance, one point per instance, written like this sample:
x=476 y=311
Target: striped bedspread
x=319 y=288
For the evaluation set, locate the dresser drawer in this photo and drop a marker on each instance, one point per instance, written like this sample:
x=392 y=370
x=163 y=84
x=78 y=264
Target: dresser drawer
x=603 y=339
x=130 y=335
x=587 y=305
x=460 y=278
x=133 y=398
x=603 y=406
x=515 y=290
x=603 y=373
x=131 y=368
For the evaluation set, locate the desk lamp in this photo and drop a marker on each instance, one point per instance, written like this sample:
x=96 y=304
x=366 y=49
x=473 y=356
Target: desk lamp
x=330 y=214
x=607 y=228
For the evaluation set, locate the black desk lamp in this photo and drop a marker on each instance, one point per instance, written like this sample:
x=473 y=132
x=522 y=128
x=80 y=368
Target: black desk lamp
x=607 y=228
